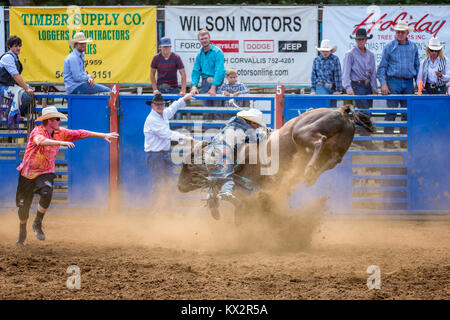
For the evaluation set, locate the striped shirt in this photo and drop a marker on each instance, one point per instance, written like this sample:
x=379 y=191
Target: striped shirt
x=398 y=60
x=326 y=71
x=167 y=69
x=359 y=66
x=8 y=61
x=209 y=64
x=237 y=87
x=41 y=159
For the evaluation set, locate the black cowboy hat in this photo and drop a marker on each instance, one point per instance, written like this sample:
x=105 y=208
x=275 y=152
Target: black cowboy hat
x=361 y=33
x=157 y=98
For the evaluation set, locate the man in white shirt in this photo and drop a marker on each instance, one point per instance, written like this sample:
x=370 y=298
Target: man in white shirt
x=157 y=140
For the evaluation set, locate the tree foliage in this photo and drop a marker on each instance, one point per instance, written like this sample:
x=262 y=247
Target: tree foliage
x=223 y=2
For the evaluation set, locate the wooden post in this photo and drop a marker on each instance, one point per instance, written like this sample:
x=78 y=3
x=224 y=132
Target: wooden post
x=279 y=102
x=113 y=148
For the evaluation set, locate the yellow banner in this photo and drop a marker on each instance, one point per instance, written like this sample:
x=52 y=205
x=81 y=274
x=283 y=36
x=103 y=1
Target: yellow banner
x=124 y=41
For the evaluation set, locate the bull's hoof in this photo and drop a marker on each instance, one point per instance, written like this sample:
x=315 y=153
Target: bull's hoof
x=213 y=205
x=215 y=213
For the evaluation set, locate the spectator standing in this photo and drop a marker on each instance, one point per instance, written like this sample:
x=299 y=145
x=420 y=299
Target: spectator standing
x=326 y=75
x=12 y=84
x=210 y=67
x=76 y=79
x=157 y=140
x=167 y=63
x=37 y=170
x=360 y=77
x=398 y=67
x=434 y=69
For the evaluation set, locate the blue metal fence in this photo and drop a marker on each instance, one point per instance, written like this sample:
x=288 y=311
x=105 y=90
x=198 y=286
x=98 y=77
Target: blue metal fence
x=135 y=180
x=400 y=181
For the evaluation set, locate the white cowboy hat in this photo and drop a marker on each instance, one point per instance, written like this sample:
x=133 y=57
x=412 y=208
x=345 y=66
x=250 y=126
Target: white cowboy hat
x=253 y=115
x=50 y=112
x=434 y=44
x=79 y=38
x=326 y=45
x=402 y=26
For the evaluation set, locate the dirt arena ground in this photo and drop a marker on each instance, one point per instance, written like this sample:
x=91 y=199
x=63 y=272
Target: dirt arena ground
x=195 y=257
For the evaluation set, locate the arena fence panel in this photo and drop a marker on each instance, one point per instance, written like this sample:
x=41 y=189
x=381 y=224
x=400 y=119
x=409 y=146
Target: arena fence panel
x=410 y=177
x=135 y=182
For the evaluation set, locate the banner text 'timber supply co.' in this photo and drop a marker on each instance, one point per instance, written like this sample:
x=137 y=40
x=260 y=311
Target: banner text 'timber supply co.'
x=124 y=41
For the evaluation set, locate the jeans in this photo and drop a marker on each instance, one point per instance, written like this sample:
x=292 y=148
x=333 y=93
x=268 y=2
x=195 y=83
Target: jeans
x=397 y=86
x=171 y=90
x=210 y=103
x=321 y=89
x=225 y=168
x=161 y=173
x=25 y=101
x=435 y=90
x=85 y=88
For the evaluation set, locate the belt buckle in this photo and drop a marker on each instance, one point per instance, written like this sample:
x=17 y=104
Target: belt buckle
x=209 y=79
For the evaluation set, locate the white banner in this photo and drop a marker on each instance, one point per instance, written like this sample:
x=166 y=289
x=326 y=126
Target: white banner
x=2 y=30
x=267 y=45
x=428 y=21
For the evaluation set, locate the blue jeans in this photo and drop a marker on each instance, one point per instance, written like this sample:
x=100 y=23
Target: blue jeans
x=321 y=89
x=161 y=173
x=397 y=86
x=361 y=89
x=171 y=90
x=25 y=101
x=85 y=88
x=210 y=103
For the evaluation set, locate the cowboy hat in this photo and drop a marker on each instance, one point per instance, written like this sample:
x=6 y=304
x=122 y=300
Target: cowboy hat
x=50 y=112
x=434 y=44
x=326 y=45
x=402 y=26
x=79 y=38
x=253 y=115
x=157 y=98
x=361 y=33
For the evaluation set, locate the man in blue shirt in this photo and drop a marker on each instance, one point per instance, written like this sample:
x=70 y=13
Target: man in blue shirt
x=210 y=66
x=398 y=67
x=76 y=79
x=12 y=84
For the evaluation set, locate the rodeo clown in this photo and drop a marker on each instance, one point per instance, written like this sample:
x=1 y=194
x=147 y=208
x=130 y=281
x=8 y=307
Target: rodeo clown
x=245 y=127
x=37 y=170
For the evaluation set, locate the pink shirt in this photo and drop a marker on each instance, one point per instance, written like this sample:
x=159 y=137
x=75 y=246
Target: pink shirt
x=41 y=159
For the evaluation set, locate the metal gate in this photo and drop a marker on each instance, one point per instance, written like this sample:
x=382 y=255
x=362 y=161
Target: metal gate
x=412 y=180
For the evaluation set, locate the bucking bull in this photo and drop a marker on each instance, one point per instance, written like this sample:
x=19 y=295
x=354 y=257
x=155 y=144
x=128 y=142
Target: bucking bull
x=303 y=148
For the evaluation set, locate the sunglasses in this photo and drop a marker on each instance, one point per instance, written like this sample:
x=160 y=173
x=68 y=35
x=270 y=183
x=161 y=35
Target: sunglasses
x=57 y=119
x=434 y=50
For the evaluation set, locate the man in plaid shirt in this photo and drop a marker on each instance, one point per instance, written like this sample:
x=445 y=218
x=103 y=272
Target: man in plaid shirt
x=326 y=75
